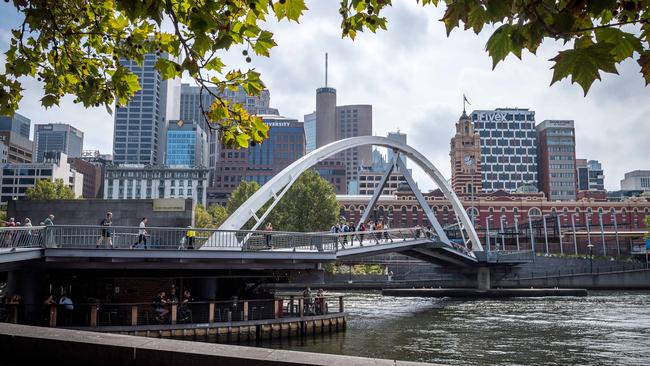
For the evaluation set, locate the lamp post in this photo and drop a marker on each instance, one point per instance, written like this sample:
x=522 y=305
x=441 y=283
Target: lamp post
x=591 y=257
x=573 y=227
x=487 y=231
x=545 y=232
x=503 y=240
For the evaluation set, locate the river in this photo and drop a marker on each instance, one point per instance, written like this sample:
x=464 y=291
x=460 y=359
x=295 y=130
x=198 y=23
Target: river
x=605 y=328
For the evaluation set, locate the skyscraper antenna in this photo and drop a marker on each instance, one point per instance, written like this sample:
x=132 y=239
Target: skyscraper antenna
x=326 y=69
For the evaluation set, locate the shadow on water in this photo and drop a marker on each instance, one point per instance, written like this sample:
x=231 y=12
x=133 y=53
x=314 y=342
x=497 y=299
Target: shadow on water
x=604 y=328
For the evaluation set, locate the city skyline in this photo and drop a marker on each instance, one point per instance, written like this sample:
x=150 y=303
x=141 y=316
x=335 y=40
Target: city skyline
x=406 y=94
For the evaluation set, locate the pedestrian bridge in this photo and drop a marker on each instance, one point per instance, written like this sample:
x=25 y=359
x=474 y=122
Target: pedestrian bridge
x=245 y=248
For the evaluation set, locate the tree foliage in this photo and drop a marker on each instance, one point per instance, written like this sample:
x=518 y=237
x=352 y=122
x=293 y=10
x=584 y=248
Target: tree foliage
x=202 y=218
x=75 y=46
x=309 y=205
x=47 y=190
x=218 y=214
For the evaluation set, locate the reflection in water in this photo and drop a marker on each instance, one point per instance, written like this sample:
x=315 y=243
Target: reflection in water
x=604 y=328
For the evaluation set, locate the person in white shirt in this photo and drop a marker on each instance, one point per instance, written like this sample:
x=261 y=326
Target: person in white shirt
x=142 y=234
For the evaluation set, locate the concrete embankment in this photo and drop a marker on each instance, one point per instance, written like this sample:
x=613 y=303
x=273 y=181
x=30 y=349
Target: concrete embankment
x=22 y=345
x=483 y=294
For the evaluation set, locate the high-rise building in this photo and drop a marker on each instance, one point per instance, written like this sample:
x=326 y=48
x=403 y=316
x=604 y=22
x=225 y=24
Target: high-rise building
x=326 y=116
x=557 y=159
x=259 y=163
x=4 y=153
x=194 y=101
x=310 y=132
x=399 y=137
x=582 y=175
x=466 y=159
x=352 y=121
x=596 y=175
x=508 y=148
x=14 y=132
x=16 y=123
x=140 y=126
x=636 y=180
x=286 y=144
x=57 y=137
x=187 y=144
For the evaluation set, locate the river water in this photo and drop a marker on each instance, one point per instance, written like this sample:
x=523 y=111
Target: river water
x=605 y=328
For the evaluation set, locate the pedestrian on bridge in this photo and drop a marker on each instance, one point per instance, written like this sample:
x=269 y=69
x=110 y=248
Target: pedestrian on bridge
x=49 y=234
x=268 y=237
x=106 y=233
x=142 y=234
x=362 y=228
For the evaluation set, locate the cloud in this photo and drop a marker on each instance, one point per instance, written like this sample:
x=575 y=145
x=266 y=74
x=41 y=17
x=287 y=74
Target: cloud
x=414 y=76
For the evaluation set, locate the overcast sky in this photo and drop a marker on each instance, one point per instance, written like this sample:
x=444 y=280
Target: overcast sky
x=414 y=77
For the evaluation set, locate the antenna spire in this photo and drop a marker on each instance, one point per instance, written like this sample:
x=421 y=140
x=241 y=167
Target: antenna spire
x=326 y=69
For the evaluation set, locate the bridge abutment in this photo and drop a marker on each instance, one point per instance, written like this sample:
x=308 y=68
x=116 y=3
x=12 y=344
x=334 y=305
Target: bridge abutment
x=483 y=278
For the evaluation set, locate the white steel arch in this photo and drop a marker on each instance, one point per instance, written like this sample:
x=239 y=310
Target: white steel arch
x=280 y=183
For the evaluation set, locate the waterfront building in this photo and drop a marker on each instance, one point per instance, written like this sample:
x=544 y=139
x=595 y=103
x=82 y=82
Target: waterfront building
x=140 y=126
x=18 y=177
x=14 y=132
x=399 y=137
x=150 y=182
x=57 y=137
x=187 y=144
x=556 y=159
x=596 y=175
x=508 y=148
x=636 y=180
x=491 y=209
x=466 y=159
x=310 y=132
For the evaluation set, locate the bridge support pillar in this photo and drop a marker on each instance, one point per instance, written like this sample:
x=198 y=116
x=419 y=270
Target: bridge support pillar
x=483 y=278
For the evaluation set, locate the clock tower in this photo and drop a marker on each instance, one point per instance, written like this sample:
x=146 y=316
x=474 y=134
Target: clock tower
x=466 y=158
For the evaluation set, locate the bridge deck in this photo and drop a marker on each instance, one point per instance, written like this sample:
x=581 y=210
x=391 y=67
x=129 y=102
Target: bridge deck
x=223 y=248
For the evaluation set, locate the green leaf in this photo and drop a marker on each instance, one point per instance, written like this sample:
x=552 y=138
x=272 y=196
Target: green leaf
x=264 y=43
x=242 y=140
x=476 y=18
x=644 y=62
x=215 y=64
x=49 y=100
x=501 y=44
x=584 y=64
x=291 y=9
x=624 y=43
x=168 y=69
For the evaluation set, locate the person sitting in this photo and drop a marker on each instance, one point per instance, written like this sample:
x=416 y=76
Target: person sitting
x=184 y=311
x=320 y=302
x=67 y=306
x=308 y=299
x=159 y=306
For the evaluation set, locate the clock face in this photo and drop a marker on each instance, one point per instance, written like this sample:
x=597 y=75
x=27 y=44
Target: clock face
x=468 y=160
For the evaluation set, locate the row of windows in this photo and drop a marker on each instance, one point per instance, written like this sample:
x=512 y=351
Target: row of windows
x=562 y=175
x=560 y=166
x=561 y=148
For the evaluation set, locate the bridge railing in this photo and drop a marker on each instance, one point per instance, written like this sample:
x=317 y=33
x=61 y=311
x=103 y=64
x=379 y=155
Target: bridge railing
x=13 y=238
x=165 y=238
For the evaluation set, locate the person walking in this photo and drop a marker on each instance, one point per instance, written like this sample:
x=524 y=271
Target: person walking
x=362 y=228
x=189 y=238
x=345 y=229
x=9 y=238
x=268 y=237
x=106 y=233
x=386 y=233
x=49 y=233
x=142 y=234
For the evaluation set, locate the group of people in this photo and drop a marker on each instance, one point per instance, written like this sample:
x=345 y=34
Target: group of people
x=13 y=239
x=163 y=300
x=376 y=231
x=314 y=305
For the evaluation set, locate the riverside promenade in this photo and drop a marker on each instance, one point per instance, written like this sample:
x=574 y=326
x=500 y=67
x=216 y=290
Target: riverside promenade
x=21 y=345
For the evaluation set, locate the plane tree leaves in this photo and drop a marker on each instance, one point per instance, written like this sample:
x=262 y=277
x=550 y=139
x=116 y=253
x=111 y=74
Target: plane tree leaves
x=78 y=47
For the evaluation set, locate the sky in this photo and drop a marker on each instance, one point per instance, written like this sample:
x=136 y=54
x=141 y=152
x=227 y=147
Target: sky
x=414 y=76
